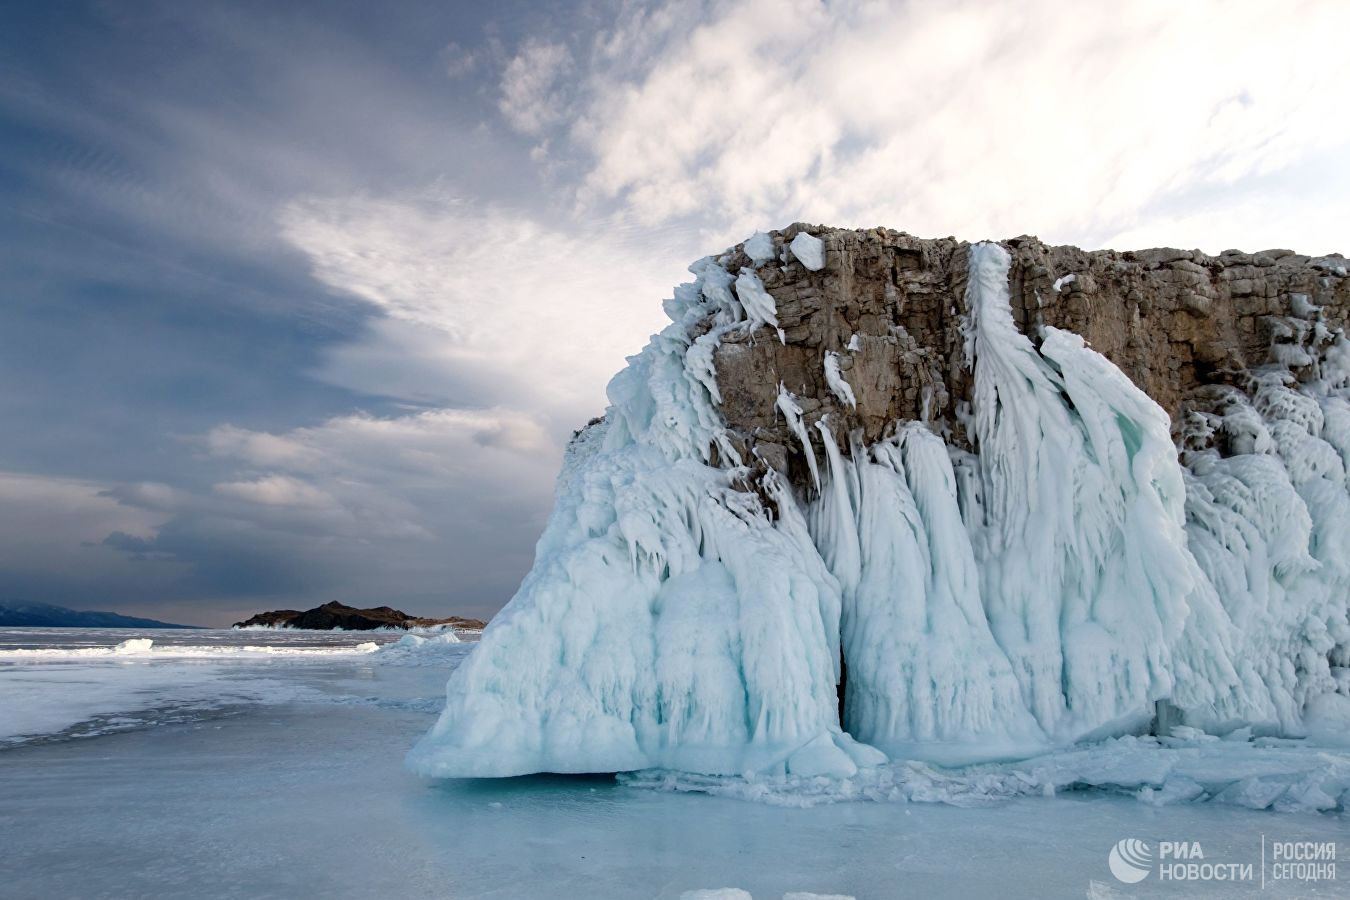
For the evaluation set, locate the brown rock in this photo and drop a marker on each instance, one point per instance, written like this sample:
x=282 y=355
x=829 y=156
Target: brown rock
x=335 y=615
x=1174 y=321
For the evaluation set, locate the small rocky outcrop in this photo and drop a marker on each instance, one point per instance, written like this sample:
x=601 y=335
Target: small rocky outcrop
x=336 y=615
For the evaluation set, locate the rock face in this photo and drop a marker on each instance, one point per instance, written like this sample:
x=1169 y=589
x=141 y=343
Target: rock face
x=870 y=496
x=335 y=615
x=1183 y=325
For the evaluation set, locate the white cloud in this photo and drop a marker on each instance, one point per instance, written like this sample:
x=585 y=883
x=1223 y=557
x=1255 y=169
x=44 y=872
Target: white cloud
x=416 y=443
x=531 y=87
x=259 y=447
x=484 y=303
x=432 y=475
x=277 y=490
x=970 y=118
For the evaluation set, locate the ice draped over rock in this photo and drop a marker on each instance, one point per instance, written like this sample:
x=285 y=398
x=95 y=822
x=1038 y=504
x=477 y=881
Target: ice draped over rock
x=671 y=619
x=1051 y=576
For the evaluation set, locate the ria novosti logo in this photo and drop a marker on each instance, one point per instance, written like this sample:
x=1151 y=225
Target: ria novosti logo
x=1131 y=860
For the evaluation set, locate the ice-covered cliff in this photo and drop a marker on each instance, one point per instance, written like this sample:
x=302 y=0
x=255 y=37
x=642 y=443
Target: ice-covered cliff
x=870 y=495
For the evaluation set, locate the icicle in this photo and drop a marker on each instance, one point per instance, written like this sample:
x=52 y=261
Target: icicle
x=792 y=412
x=835 y=379
x=760 y=308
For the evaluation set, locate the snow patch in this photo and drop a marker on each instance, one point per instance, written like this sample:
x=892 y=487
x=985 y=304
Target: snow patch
x=759 y=248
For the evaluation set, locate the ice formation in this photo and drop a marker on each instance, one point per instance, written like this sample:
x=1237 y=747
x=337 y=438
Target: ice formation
x=1070 y=577
x=809 y=250
x=835 y=379
x=758 y=303
x=759 y=248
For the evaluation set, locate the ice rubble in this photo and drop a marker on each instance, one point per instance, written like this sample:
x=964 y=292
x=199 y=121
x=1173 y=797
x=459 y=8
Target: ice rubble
x=1067 y=581
x=1261 y=773
x=414 y=650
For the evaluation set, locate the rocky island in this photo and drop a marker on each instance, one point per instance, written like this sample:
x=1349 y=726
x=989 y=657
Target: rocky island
x=336 y=615
x=873 y=496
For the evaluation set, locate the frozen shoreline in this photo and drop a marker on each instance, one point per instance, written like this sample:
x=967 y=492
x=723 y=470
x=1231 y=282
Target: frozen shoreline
x=86 y=691
x=101 y=681
x=268 y=799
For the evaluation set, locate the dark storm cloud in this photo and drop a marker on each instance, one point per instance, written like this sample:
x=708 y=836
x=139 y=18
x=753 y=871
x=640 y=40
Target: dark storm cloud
x=148 y=299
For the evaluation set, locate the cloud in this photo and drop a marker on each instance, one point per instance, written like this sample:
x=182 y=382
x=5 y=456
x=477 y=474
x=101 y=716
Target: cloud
x=278 y=490
x=65 y=510
x=425 y=443
x=491 y=213
x=431 y=511
x=423 y=510
x=483 y=304
x=259 y=447
x=971 y=118
x=52 y=541
x=532 y=85
x=459 y=61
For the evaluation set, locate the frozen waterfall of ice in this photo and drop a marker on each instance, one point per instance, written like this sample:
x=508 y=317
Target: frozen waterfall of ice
x=1052 y=586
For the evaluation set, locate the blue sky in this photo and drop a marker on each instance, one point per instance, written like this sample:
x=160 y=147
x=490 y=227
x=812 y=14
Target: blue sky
x=301 y=301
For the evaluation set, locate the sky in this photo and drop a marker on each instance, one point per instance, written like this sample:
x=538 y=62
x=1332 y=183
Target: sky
x=301 y=302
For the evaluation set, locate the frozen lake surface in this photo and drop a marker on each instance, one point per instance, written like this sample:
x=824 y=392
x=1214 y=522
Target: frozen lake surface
x=270 y=764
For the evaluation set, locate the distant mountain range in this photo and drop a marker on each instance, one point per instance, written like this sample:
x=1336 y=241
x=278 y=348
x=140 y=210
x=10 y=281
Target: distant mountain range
x=15 y=615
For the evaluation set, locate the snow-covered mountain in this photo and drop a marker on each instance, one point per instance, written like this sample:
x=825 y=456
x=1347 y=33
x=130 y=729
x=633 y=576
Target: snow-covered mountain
x=873 y=496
